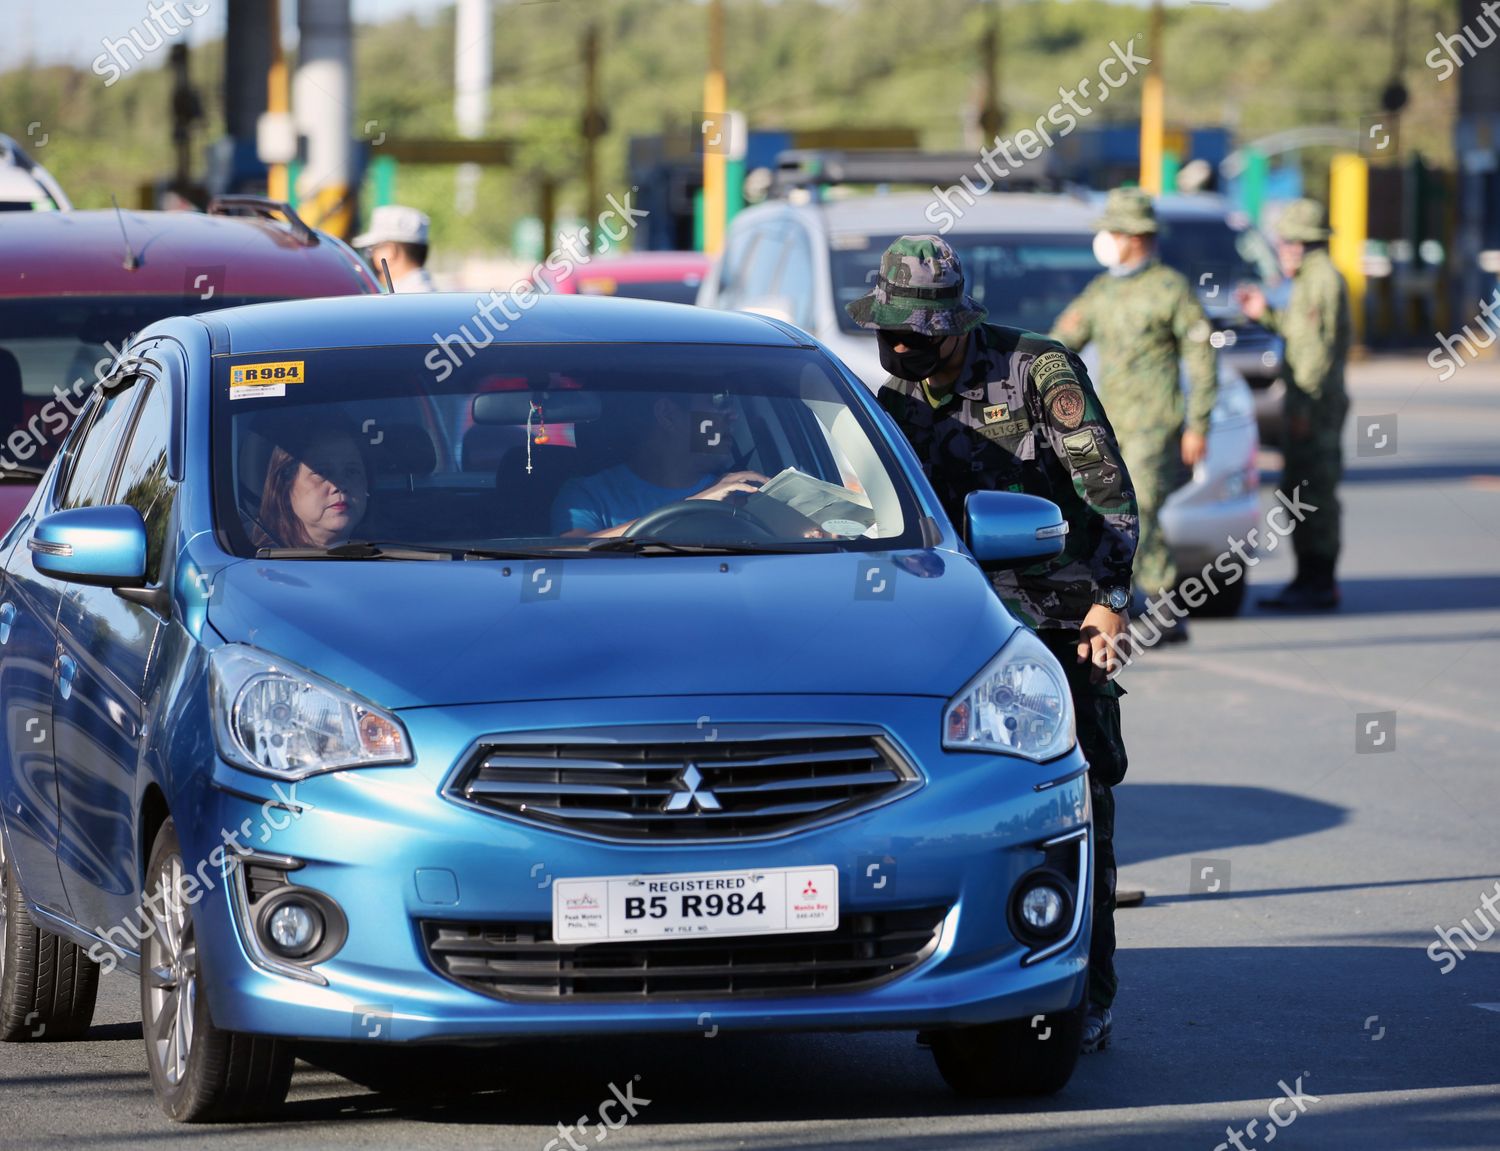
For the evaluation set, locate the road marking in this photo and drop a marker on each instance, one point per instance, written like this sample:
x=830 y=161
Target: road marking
x=1361 y=701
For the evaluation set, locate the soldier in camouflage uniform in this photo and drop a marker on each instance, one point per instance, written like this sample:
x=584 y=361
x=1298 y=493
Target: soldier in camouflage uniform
x=1146 y=319
x=989 y=408
x=1315 y=326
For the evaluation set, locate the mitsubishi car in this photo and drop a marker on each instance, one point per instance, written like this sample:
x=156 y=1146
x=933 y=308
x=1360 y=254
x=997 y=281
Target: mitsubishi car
x=325 y=733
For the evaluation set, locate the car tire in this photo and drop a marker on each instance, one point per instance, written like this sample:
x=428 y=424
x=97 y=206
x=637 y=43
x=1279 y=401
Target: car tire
x=199 y=1071
x=47 y=984
x=1013 y=1058
x=1223 y=603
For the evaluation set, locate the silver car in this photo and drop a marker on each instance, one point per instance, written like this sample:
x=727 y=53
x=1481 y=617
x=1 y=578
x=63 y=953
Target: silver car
x=1026 y=255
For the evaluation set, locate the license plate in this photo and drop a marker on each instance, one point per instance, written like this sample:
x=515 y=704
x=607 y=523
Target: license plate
x=770 y=901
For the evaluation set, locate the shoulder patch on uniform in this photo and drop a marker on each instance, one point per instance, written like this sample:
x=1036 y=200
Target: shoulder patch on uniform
x=1083 y=448
x=1065 y=405
x=1051 y=370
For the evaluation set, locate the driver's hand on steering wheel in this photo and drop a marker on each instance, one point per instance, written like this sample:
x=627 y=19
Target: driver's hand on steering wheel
x=731 y=483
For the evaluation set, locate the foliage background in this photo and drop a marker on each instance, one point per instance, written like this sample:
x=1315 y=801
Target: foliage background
x=790 y=64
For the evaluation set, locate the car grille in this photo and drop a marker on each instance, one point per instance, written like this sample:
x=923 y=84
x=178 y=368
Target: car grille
x=520 y=960
x=682 y=784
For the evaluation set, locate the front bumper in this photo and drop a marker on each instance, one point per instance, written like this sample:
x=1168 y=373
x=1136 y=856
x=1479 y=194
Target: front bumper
x=961 y=842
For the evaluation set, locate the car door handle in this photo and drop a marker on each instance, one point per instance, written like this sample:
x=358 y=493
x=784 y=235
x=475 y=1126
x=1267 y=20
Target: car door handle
x=67 y=668
x=7 y=619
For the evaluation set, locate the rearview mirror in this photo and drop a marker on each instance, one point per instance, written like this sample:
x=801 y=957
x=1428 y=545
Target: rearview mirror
x=1008 y=529
x=558 y=406
x=103 y=546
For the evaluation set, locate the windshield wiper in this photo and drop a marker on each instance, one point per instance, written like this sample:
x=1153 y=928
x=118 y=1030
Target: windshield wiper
x=645 y=545
x=361 y=550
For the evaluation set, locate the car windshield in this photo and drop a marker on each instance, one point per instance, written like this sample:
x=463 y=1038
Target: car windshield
x=1219 y=250
x=1025 y=281
x=534 y=448
x=52 y=350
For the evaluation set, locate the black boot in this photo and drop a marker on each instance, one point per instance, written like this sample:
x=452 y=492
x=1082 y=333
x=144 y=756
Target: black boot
x=1314 y=589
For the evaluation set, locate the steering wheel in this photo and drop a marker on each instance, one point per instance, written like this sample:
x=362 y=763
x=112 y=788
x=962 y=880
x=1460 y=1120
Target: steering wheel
x=713 y=513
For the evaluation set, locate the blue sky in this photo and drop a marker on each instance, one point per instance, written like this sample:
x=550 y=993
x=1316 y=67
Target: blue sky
x=72 y=31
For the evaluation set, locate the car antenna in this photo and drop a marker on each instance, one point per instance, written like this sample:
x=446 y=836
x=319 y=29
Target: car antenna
x=385 y=269
x=132 y=261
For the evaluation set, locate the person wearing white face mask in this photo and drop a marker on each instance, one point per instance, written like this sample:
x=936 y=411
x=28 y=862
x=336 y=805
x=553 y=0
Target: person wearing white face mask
x=1146 y=319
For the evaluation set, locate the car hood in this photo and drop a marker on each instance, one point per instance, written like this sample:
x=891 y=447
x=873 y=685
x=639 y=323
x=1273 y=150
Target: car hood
x=413 y=633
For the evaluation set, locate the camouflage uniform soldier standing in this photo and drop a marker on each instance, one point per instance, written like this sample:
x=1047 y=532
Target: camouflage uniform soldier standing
x=990 y=408
x=1315 y=326
x=1146 y=318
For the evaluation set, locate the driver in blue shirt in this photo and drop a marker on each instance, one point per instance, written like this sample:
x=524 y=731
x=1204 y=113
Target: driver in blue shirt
x=671 y=460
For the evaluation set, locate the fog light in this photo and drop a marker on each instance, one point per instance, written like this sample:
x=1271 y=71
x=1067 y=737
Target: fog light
x=293 y=927
x=1042 y=908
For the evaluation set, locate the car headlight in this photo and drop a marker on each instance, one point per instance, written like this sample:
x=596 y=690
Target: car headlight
x=1019 y=705
x=278 y=719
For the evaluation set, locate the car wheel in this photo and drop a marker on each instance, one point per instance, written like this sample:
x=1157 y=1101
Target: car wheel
x=199 y=1071
x=1223 y=603
x=1013 y=1058
x=47 y=983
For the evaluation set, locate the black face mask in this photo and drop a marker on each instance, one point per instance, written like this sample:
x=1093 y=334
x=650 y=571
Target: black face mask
x=922 y=356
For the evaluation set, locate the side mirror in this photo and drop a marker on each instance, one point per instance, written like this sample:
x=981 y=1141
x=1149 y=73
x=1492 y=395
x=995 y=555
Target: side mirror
x=104 y=546
x=1008 y=529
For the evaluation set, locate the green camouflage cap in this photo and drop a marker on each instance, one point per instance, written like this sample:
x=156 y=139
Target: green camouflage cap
x=1128 y=211
x=920 y=289
x=1303 y=222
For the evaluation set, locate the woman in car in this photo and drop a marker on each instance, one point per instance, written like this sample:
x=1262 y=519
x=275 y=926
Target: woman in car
x=317 y=489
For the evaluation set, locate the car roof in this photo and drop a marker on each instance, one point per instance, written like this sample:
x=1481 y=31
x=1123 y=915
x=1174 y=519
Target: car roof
x=896 y=213
x=83 y=253
x=425 y=318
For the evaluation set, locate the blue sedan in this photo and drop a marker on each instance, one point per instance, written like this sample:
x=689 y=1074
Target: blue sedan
x=378 y=672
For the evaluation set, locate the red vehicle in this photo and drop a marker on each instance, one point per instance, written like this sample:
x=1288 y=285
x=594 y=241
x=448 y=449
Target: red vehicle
x=670 y=276
x=75 y=286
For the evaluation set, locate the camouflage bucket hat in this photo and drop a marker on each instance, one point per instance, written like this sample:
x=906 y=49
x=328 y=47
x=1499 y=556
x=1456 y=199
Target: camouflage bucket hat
x=920 y=289
x=1303 y=222
x=1129 y=212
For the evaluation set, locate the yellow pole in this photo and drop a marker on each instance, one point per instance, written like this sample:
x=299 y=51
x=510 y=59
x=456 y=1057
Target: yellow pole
x=278 y=102
x=1154 y=109
x=715 y=186
x=1348 y=215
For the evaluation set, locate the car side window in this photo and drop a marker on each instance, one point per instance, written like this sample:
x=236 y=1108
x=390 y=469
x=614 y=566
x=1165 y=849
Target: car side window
x=760 y=269
x=733 y=264
x=794 y=284
x=143 y=482
x=94 y=458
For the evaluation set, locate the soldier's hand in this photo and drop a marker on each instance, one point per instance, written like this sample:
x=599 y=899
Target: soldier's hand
x=1194 y=448
x=1252 y=301
x=1104 y=642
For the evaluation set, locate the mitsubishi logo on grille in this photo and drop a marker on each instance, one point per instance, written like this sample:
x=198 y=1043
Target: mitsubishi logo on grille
x=692 y=794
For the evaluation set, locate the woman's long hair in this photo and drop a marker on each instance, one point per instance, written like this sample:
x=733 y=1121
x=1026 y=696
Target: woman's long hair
x=276 y=524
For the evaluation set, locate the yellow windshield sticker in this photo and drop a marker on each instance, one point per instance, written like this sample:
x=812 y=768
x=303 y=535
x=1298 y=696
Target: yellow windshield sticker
x=257 y=381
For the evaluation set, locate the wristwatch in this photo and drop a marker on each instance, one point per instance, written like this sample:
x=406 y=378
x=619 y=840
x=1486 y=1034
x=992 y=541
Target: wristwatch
x=1114 y=598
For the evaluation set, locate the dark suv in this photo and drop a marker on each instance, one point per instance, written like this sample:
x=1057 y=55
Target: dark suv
x=75 y=286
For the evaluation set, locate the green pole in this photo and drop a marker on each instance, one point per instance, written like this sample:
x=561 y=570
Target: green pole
x=1253 y=183
x=383 y=179
x=1171 y=164
x=698 y=220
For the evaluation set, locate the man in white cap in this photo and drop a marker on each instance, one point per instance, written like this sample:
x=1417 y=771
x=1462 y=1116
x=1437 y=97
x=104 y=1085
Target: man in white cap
x=398 y=235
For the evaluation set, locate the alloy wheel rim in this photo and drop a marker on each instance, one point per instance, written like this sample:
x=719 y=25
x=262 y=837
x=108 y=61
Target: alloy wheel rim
x=171 y=975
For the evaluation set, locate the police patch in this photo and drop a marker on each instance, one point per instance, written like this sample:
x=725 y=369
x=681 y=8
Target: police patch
x=1051 y=370
x=995 y=413
x=1066 y=406
x=1083 y=449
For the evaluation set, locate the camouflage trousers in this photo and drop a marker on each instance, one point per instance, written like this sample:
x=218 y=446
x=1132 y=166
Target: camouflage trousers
x=1096 y=708
x=1315 y=462
x=1154 y=459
